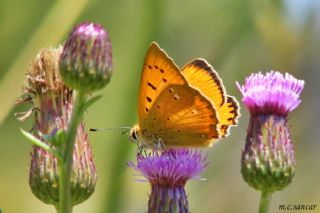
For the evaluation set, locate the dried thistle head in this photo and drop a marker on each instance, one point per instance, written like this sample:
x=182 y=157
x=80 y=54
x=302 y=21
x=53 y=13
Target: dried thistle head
x=43 y=73
x=52 y=101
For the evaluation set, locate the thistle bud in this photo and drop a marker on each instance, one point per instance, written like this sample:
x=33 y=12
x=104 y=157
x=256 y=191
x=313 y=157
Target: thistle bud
x=268 y=161
x=168 y=172
x=86 y=59
x=52 y=101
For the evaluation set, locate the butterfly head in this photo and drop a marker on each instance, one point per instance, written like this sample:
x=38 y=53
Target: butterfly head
x=134 y=133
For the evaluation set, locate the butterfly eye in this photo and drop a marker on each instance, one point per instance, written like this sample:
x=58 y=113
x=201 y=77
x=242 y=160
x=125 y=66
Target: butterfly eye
x=134 y=135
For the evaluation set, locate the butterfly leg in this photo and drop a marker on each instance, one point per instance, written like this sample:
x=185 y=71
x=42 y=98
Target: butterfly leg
x=140 y=148
x=160 y=145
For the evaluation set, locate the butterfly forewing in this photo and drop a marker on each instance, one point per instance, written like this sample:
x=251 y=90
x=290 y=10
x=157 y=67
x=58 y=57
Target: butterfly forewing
x=182 y=116
x=158 y=72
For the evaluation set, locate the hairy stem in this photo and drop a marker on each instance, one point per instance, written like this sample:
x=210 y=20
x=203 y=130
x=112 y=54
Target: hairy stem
x=65 y=165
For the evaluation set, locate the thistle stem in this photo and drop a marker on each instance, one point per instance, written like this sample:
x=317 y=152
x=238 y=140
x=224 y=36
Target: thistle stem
x=168 y=199
x=265 y=200
x=65 y=165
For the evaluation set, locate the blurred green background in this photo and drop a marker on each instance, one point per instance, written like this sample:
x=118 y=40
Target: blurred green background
x=236 y=37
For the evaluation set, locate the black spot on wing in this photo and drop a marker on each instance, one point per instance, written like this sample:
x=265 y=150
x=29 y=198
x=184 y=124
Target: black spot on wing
x=152 y=86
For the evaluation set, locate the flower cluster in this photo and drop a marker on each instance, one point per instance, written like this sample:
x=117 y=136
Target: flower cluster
x=272 y=93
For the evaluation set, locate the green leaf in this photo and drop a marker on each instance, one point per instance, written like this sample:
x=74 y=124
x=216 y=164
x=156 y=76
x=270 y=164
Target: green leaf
x=56 y=138
x=41 y=144
x=59 y=137
x=91 y=101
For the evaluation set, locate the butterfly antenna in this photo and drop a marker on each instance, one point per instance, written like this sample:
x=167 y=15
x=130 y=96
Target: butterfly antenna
x=111 y=129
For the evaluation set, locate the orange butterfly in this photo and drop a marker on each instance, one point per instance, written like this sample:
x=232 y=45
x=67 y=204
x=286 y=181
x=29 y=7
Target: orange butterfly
x=181 y=108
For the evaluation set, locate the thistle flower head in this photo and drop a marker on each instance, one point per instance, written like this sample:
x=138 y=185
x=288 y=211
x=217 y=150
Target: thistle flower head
x=52 y=102
x=173 y=167
x=86 y=60
x=168 y=172
x=268 y=161
x=272 y=93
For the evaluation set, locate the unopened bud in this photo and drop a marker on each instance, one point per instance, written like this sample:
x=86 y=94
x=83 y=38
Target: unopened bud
x=86 y=59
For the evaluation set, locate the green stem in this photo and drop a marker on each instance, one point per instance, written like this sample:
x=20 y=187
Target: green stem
x=65 y=166
x=264 y=202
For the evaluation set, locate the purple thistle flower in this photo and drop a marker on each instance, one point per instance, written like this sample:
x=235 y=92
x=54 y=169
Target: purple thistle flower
x=168 y=172
x=86 y=59
x=53 y=101
x=272 y=93
x=268 y=161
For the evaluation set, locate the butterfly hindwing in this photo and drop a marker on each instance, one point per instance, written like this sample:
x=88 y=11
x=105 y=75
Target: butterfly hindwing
x=182 y=116
x=228 y=115
x=201 y=75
